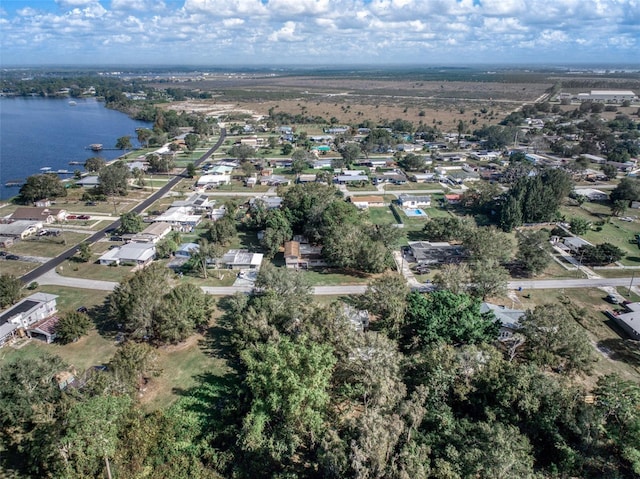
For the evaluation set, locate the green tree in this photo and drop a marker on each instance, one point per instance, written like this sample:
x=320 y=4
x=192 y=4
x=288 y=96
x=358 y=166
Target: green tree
x=618 y=207
x=94 y=164
x=278 y=230
x=534 y=251
x=600 y=255
x=144 y=135
x=10 y=290
x=386 y=297
x=287 y=148
x=489 y=243
x=84 y=252
x=182 y=311
x=510 y=213
x=618 y=402
x=191 y=141
x=350 y=152
x=38 y=187
x=488 y=278
x=453 y=277
x=609 y=170
x=72 y=326
x=160 y=163
x=628 y=190
x=446 y=229
x=284 y=283
x=447 y=317
x=134 y=299
x=131 y=223
x=124 y=143
x=554 y=339
x=579 y=226
x=289 y=386
x=132 y=364
x=413 y=162
x=222 y=230
x=166 y=247
x=114 y=179
x=242 y=152
x=191 y=170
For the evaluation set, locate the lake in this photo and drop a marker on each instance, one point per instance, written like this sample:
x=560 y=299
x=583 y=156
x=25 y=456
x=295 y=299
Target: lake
x=38 y=133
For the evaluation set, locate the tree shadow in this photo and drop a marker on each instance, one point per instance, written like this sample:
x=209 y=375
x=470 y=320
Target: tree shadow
x=415 y=235
x=635 y=259
x=105 y=324
x=217 y=340
x=621 y=349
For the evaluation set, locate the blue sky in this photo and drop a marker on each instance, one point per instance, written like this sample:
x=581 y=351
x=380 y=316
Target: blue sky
x=322 y=32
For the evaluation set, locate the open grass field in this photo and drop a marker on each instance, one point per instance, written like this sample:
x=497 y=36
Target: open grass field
x=334 y=277
x=91 y=270
x=16 y=268
x=48 y=246
x=381 y=215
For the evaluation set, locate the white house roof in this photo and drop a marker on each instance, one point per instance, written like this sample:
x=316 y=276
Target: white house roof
x=189 y=247
x=179 y=214
x=508 y=317
x=138 y=252
x=213 y=179
x=242 y=257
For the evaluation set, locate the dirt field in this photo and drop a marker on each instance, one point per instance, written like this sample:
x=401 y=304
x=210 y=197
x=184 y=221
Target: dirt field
x=353 y=100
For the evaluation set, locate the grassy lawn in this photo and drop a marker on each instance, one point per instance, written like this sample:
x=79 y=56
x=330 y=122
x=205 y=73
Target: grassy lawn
x=48 y=246
x=16 y=268
x=437 y=212
x=183 y=367
x=381 y=215
x=334 y=277
x=90 y=350
x=367 y=187
x=75 y=269
x=615 y=353
x=414 y=186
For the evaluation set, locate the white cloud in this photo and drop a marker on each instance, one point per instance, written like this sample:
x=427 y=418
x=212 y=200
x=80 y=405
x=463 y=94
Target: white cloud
x=139 y=5
x=286 y=34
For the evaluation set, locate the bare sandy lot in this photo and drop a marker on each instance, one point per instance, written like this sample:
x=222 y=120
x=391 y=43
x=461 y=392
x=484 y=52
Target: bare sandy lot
x=353 y=100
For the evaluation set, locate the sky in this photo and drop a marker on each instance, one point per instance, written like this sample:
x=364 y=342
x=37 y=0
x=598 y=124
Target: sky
x=318 y=32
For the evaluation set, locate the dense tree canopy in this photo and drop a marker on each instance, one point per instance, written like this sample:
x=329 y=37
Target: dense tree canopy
x=38 y=187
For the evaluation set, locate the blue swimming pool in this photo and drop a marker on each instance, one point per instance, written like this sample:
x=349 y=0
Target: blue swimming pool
x=414 y=212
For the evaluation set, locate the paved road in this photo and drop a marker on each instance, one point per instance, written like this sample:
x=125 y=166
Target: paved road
x=53 y=278
x=53 y=263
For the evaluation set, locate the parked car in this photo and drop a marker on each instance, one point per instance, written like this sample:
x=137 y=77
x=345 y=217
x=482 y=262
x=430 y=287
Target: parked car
x=72 y=217
x=12 y=256
x=90 y=203
x=84 y=217
x=3 y=253
x=82 y=309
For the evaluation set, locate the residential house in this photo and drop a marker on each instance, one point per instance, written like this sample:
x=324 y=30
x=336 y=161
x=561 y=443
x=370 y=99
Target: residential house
x=20 y=229
x=591 y=194
x=92 y=181
x=425 y=252
x=181 y=218
x=364 y=202
x=241 y=259
x=395 y=177
x=6 y=242
x=350 y=179
x=220 y=169
x=270 y=202
x=629 y=320
x=273 y=180
x=153 y=233
x=411 y=201
x=423 y=177
x=322 y=163
x=200 y=203
x=309 y=178
x=292 y=257
x=45 y=214
x=138 y=254
x=509 y=319
x=253 y=141
x=574 y=243
x=45 y=329
x=187 y=250
x=452 y=199
x=209 y=181
x=24 y=314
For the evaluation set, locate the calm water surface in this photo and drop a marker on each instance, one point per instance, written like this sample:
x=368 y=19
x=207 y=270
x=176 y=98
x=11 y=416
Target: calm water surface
x=43 y=132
